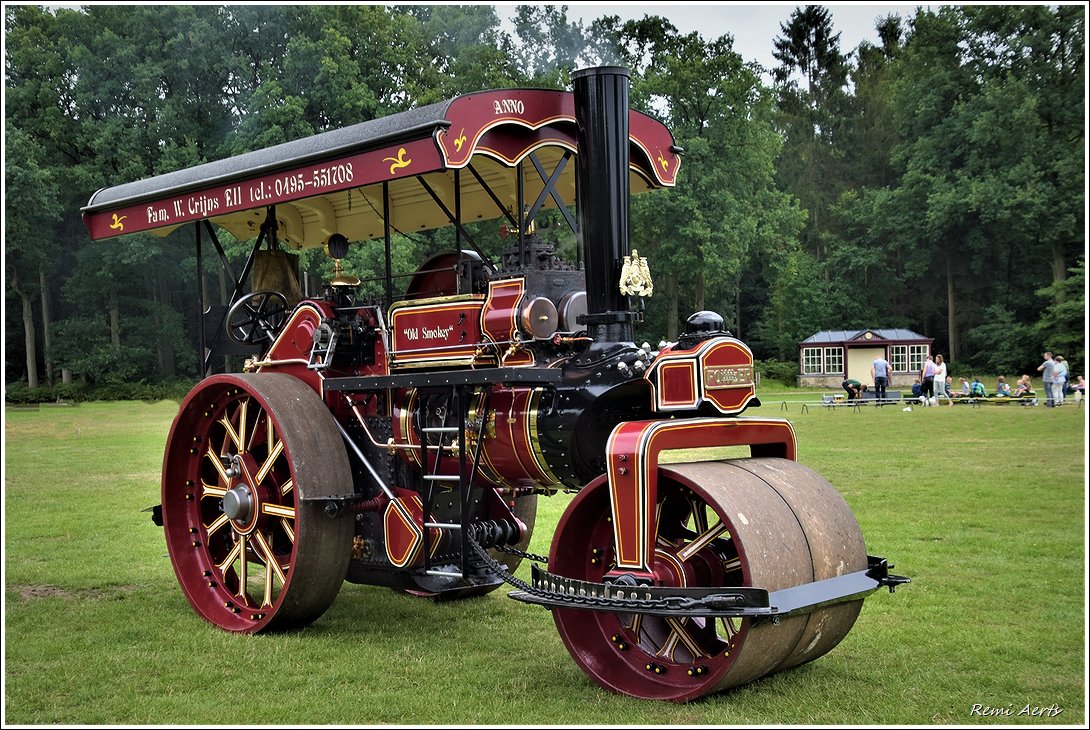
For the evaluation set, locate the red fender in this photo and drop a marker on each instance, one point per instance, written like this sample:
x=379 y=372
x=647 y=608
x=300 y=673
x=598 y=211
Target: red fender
x=632 y=470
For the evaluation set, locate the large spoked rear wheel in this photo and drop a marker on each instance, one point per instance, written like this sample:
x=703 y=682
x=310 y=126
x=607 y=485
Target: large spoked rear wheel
x=770 y=523
x=250 y=552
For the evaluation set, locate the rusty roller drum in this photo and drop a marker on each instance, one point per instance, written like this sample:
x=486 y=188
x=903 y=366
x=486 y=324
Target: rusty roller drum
x=763 y=522
x=251 y=548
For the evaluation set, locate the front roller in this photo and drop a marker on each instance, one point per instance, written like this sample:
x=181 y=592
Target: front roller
x=769 y=523
x=251 y=547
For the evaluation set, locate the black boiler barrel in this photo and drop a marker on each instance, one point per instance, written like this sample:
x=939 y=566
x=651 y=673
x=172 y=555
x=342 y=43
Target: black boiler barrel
x=602 y=189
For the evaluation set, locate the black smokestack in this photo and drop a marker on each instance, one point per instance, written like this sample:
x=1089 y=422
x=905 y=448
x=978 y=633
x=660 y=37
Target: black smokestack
x=601 y=175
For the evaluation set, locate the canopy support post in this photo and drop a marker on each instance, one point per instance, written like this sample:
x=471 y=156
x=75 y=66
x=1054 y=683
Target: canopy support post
x=200 y=303
x=455 y=222
x=386 y=241
x=268 y=228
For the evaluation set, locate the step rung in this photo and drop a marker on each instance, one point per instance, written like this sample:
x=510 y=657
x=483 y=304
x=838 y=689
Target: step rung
x=441 y=478
x=445 y=573
x=440 y=429
x=444 y=525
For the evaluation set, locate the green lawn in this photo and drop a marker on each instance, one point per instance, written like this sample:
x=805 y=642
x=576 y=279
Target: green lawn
x=984 y=508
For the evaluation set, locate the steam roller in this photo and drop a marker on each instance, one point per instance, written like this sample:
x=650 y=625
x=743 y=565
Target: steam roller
x=399 y=432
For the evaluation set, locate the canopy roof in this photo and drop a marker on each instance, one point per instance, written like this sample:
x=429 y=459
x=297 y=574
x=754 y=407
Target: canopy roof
x=466 y=152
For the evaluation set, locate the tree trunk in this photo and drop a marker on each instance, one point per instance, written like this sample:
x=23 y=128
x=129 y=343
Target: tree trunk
x=31 y=343
x=671 y=308
x=115 y=321
x=30 y=339
x=66 y=376
x=1059 y=268
x=951 y=312
x=47 y=326
x=698 y=300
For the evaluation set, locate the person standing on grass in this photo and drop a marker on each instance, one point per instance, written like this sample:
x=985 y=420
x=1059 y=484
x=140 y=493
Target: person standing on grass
x=927 y=376
x=940 y=379
x=1061 y=379
x=879 y=374
x=1048 y=377
x=1048 y=370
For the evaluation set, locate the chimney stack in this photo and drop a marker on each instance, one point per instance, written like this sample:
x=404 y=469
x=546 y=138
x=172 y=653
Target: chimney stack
x=602 y=189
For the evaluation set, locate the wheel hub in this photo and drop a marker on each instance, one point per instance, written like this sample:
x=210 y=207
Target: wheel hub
x=238 y=503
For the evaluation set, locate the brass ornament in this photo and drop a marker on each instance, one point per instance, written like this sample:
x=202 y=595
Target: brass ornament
x=636 y=277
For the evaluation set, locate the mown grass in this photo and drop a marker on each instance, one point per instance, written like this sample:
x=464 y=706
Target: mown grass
x=984 y=508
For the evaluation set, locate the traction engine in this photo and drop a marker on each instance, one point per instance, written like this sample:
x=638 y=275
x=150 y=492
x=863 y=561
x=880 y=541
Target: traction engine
x=404 y=441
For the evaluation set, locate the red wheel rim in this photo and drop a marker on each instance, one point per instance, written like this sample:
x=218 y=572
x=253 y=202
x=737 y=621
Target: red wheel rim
x=771 y=523
x=249 y=552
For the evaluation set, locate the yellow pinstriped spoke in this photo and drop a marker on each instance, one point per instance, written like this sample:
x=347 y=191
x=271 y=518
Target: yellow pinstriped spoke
x=286 y=487
x=274 y=453
x=272 y=567
x=232 y=433
x=270 y=433
x=242 y=567
x=730 y=626
x=217 y=523
x=289 y=529
x=666 y=651
x=215 y=459
x=257 y=429
x=243 y=406
x=700 y=518
x=278 y=510
x=210 y=490
x=231 y=556
x=701 y=541
x=679 y=633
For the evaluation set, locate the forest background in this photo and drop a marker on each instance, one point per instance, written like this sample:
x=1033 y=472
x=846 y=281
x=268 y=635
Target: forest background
x=934 y=181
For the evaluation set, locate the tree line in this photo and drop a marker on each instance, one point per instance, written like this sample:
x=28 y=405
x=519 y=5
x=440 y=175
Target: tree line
x=934 y=180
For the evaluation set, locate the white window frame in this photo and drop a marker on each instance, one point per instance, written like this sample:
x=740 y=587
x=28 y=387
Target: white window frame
x=917 y=354
x=811 y=359
x=898 y=358
x=832 y=355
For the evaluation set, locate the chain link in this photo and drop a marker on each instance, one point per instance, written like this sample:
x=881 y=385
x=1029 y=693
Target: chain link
x=519 y=553
x=627 y=604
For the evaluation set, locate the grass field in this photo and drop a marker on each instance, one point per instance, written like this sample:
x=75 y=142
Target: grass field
x=984 y=508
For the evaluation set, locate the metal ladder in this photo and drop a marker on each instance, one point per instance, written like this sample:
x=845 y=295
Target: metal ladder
x=459 y=396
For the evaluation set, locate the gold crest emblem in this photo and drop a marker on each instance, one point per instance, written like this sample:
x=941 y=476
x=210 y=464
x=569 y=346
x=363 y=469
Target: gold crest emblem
x=636 y=277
